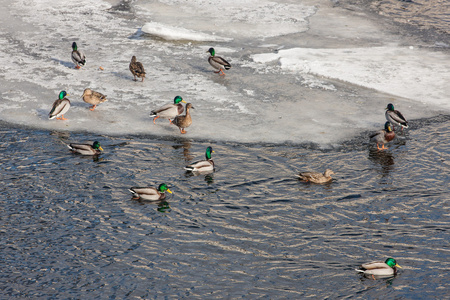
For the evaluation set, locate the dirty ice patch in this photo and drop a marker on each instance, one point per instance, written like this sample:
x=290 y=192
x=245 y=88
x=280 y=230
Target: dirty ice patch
x=418 y=74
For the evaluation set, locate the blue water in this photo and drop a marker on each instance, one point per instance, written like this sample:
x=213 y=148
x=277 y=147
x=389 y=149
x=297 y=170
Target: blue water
x=70 y=229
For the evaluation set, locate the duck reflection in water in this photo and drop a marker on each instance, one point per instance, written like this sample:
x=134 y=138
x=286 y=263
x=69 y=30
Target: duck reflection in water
x=383 y=158
x=162 y=205
x=185 y=145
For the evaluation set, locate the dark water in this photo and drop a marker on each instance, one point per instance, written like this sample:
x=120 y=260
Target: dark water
x=69 y=229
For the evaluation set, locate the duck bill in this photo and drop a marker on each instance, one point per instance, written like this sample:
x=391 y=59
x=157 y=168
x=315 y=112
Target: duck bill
x=100 y=148
x=183 y=101
x=398 y=266
x=169 y=191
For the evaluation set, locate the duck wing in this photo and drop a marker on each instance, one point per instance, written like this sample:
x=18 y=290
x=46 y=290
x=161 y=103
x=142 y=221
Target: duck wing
x=84 y=149
x=60 y=107
x=220 y=61
x=200 y=166
x=78 y=57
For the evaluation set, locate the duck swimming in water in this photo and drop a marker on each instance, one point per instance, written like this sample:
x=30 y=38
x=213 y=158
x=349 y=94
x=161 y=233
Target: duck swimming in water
x=86 y=149
x=379 y=269
x=150 y=193
x=206 y=165
x=316 y=177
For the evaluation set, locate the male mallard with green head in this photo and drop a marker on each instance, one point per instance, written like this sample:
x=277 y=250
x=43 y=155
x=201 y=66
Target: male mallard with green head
x=395 y=117
x=78 y=56
x=217 y=62
x=86 y=149
x=184 y=121
x=203 y=165
x=93 y=97
x=150 y=193
x=137 y=68
x=316 y=177
x=60 y=107
x=379 y=269
x=383 y=136
x=169 y=111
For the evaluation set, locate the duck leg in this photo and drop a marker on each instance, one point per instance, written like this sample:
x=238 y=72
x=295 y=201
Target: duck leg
x=61 y=118
x=221 y=72
x=154 y=119
x=93 y=107
x=382 y=147
x=182 y=131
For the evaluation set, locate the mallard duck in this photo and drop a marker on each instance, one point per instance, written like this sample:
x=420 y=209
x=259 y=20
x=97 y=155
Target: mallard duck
x=203 y=165
x=316 y=177
x=383 y=136
x=78 y=56
x=150 y=193
x=60 y=107
x=137 y=69
x=184 y=121
x=169 y=111
x=218 y=62
x=93 y=97
x=395 y=117
x=86 y=149
x=379 y=269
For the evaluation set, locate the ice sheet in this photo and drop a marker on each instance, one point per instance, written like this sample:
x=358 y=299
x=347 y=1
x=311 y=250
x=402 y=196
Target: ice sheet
x=298 y=95
x=176 y=33
x=407 y=72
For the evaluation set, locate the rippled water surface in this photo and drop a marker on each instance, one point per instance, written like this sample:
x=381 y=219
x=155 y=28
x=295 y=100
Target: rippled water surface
x=69 y=228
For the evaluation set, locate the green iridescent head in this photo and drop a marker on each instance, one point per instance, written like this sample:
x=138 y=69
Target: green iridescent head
x=209 y=150
x=178 y=99
x=62 y=94
x=163 y=188
x=390 y=106
x=74 y=46
x=388 y=126
x=211 y=51
x=96 y=146
x=391 y=263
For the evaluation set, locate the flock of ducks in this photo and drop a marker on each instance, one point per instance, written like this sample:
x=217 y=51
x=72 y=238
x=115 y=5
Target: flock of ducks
x=173 y=112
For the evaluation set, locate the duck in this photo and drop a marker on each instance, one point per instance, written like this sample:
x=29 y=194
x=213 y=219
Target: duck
x=137 y=68
x=169 y=111
x=78 y=56
x=218 y=62
x=93 y=97
x=150 y=193
x=184 y=121
x=379 y=269
x=316 y=177
x=383 y=136
x=60 y=107
x=206 y=165
x=395 y=117
x=86 y=149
